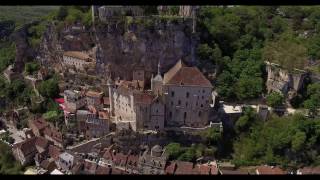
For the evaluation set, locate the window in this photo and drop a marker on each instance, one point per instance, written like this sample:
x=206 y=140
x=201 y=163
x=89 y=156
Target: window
x=170 y=114
x=172 y=93
x=202 y=97
x=201 y=105
x=185 y=115
x=171 y=103
x=203 y=91
x=187 y=95
x=199 y=114
x=186 y=104
x=179 y=102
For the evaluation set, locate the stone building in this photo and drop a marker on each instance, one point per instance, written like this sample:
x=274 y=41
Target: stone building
x=77 y=59
x=25 y=151
x=188 y=95
x=94 y=98
x=106 y=12
x=152 y=161
x=97 y=126
x=74 y=100
x=181 y=98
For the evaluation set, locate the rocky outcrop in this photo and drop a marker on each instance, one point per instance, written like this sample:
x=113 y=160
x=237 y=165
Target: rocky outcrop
x=283 y=81
x=126 y=46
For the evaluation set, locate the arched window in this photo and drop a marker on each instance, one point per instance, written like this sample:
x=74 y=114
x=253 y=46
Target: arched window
x=179 y=102
x=187 y=95
x=199 y=114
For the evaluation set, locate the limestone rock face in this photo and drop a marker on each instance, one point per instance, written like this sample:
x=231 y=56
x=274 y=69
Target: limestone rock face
x=283 y=81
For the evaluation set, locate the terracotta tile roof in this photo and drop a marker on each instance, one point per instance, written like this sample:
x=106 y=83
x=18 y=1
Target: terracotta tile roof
x=90 y=167
x=204 y=169
x=116 y=171
x=54 y=151
x=269 y=170
x=310 y=170
x=184 y=168
x=54 y=134
x=103 y=170
x=78 y=55
x=92 y=109
x=76 y=169
x=94 y=94
x=46 y=164
x=120 y=159
x=188 y=76
x=231 y=172
x=40 y=123
x=143 y=98
x=42 y=142
x=103 y=115
x=108 y=154
x=27 y=147
x=171 y=168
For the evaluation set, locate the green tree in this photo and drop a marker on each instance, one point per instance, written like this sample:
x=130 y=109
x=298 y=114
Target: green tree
x=298 y=141
x=49 y=88
x=212 y=135
x=275 y=99
x=31 y=67
x=174 y=150
x=62 y=13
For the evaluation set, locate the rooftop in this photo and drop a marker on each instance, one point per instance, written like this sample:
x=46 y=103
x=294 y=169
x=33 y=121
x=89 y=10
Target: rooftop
x=78 y=55
x=182 y=75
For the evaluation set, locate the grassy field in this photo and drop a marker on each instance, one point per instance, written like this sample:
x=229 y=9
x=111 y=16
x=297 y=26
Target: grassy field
x=24 y=14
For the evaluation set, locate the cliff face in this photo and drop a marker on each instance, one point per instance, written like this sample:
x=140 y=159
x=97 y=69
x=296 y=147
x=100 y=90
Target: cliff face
x=281 y=80
x=125 y=46
x=23 y=50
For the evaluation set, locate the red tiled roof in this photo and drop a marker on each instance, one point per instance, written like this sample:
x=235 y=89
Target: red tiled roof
x=94 y=94
x=102 y=170
x=206 y=170
x=170 y=168
x=42 y=142
x=132 y=160
x=270 y=170
x=120 y=159
x=90 y=167
x=92 y=109
x=116 y=171
x=54 y=134
x=235 y=172
x=310 y=170
x=103 y=115
x=78 y=55
x=185 y=168
x=39 y=123
x=188 y=76
x=108 y=154
x=54 y=151
x=143 y=98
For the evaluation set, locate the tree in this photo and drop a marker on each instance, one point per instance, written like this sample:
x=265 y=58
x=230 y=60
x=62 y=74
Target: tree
x=31 y=67
x=246 y=120
x=62 y=13
x=8 y=165
x=298 y=141
x=174 y=150
x=49 y=88
x=248 y=87
x=312 y=102
x=287 y=54
x=275 y=99
x=212 y=135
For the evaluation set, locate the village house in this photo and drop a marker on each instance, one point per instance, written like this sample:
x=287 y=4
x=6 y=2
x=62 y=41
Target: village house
x=97 y=126
x=269 y=170
x=74 y=100
x=309 y=171
x=25 y=151
x=38 y=126
x=77 y=59
x=65 y=162
x=52 y=134
x=94 y=98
